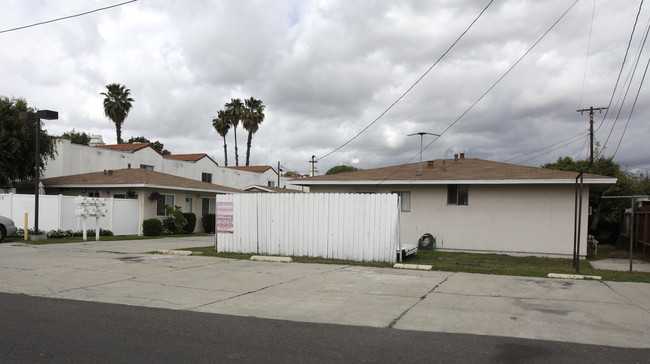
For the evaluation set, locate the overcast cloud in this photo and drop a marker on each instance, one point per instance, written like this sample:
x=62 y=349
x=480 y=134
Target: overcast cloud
x=326 y=69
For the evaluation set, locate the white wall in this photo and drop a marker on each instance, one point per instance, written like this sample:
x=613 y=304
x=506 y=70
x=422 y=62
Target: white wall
x=76 y=159
x=528 y=219
x=336 y=226
x=57 y=212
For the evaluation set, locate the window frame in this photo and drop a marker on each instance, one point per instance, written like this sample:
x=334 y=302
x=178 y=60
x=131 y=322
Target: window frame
x=458 y=194
x=160 y=204
x=206 y=177
x=401 y=195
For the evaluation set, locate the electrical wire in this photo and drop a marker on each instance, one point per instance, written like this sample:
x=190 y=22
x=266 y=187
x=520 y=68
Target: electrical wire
x=66 y=17
x=488 y=90
x=552 y=150
x=636 y=64
x=506 y=73
x=636 y=19
x=540 y=149
x=633 y=105
x=584 y=76
x=410 y=88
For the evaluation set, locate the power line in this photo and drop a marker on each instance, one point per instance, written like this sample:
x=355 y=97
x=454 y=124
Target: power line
x=546 y=147
x=66 y=17
x=636 y=64
x=633 y=105
x=552 y=150
x=584 y=76
x=410 y=88
x=506 y=73
x=636 y=19
x=490 y=89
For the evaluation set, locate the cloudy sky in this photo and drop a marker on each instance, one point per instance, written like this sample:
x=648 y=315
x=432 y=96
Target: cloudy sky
x=327 y=69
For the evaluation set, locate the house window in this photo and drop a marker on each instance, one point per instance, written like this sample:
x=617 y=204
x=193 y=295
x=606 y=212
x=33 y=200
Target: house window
x=206 y=177
x=208 y=206
x=188 y=204
x=405 y=200
x=160 y=204
x=146 y=166
x=457 y=194
x=119 y=195
x=93 y=194
x=270 y=183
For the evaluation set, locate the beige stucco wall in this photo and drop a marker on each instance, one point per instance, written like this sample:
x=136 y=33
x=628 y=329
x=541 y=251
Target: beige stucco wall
x=528 y=219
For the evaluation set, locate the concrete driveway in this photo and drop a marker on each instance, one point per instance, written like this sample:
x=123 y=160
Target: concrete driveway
x=592 y=312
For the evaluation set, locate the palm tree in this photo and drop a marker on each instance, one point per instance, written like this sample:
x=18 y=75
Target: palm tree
x=222 y=124
x=253 y=117
x=235 y=112
x=117 y=104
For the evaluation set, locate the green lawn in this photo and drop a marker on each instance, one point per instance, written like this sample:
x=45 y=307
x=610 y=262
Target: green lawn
x=499 y=264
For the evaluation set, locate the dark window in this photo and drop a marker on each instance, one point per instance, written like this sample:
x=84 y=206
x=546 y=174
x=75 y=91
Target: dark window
x=405 y=198
x=206 y=177
x=457 y=194
x=117 y=195
x=146 y=166
x=270 y=183
x=160 y=204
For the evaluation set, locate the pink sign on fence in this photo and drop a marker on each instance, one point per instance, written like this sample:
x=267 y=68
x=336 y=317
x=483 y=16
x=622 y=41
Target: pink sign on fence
x=225 y=213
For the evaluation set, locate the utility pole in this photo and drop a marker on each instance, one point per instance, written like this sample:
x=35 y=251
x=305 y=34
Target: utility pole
x=313 y=162
x=279 y=170
x=421 y=134
x=591 y=131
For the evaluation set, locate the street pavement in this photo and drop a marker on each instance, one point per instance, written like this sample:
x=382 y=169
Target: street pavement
x=589 y=312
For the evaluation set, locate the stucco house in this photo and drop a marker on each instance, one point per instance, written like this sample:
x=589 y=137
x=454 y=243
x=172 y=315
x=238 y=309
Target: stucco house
x=152 y=189
x=479 y=205
x=71 y=159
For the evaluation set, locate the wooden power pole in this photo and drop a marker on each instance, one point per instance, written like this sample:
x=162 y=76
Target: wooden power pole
x=591 y=131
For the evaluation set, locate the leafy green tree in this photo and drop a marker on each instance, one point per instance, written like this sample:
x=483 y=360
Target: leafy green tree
x=222 y=124
x=253 y=117
x=17 y=141
x=609 y=212
x=235 y=113
x=341 y=169
x=175 y=219
x=160 y=147
x=77 y=137
x=117 y=104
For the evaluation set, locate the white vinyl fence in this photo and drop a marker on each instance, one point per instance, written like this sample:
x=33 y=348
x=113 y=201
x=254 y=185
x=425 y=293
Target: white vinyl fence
x=359 y=227
x=57 y=212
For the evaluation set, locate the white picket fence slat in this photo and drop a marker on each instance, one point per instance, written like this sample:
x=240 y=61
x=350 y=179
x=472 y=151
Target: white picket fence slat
x=358 y=227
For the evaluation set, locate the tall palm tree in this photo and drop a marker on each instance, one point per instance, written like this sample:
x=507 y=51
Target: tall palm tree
x=235 y=111
x=222 y=124
x=253 y=117
x=117 y=104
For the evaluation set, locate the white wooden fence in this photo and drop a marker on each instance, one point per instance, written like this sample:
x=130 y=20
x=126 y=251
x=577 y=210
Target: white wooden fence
x=57 y=212
x=359 y=227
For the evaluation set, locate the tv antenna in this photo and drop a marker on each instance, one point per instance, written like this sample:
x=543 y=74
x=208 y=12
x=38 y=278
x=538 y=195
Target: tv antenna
x=421 y=134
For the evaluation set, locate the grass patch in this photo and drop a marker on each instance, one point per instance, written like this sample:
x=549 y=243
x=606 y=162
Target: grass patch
x=498 y=264
x=76 y=239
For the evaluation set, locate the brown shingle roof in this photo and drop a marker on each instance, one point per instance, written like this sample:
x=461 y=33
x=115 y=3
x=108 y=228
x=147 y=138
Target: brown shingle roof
x=194 y=157
x=257 y=188
x=126 y=147
x=464 y=169
x=258 y=169
x=135 y=177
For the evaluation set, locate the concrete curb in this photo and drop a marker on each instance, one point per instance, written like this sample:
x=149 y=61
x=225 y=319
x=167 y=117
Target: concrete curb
x=413 y=266
x=175 y=252
x=268 y=258
x=573 y=276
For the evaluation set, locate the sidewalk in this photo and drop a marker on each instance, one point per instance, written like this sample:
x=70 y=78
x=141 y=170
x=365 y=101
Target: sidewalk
x=621 y=265
x=592 y=312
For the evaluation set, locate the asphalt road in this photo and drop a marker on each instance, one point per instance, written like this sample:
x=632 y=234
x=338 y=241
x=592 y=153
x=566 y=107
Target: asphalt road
x=37 y=329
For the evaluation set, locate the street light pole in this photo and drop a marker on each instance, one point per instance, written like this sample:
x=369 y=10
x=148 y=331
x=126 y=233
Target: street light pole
x=36 y=117
x=421 y=134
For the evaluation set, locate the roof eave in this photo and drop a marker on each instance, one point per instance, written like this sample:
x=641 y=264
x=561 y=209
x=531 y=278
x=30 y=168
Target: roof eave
x=604 y=181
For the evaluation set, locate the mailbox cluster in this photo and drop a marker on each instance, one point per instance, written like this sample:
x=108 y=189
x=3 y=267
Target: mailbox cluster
x=90 y=207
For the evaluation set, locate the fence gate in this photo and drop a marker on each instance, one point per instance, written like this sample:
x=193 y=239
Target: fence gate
x=359 y=227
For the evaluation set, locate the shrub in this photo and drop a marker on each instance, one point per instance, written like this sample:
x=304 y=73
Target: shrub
x=191 y=222
x=175 y=219
x=152 y=227
x=208 y=223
